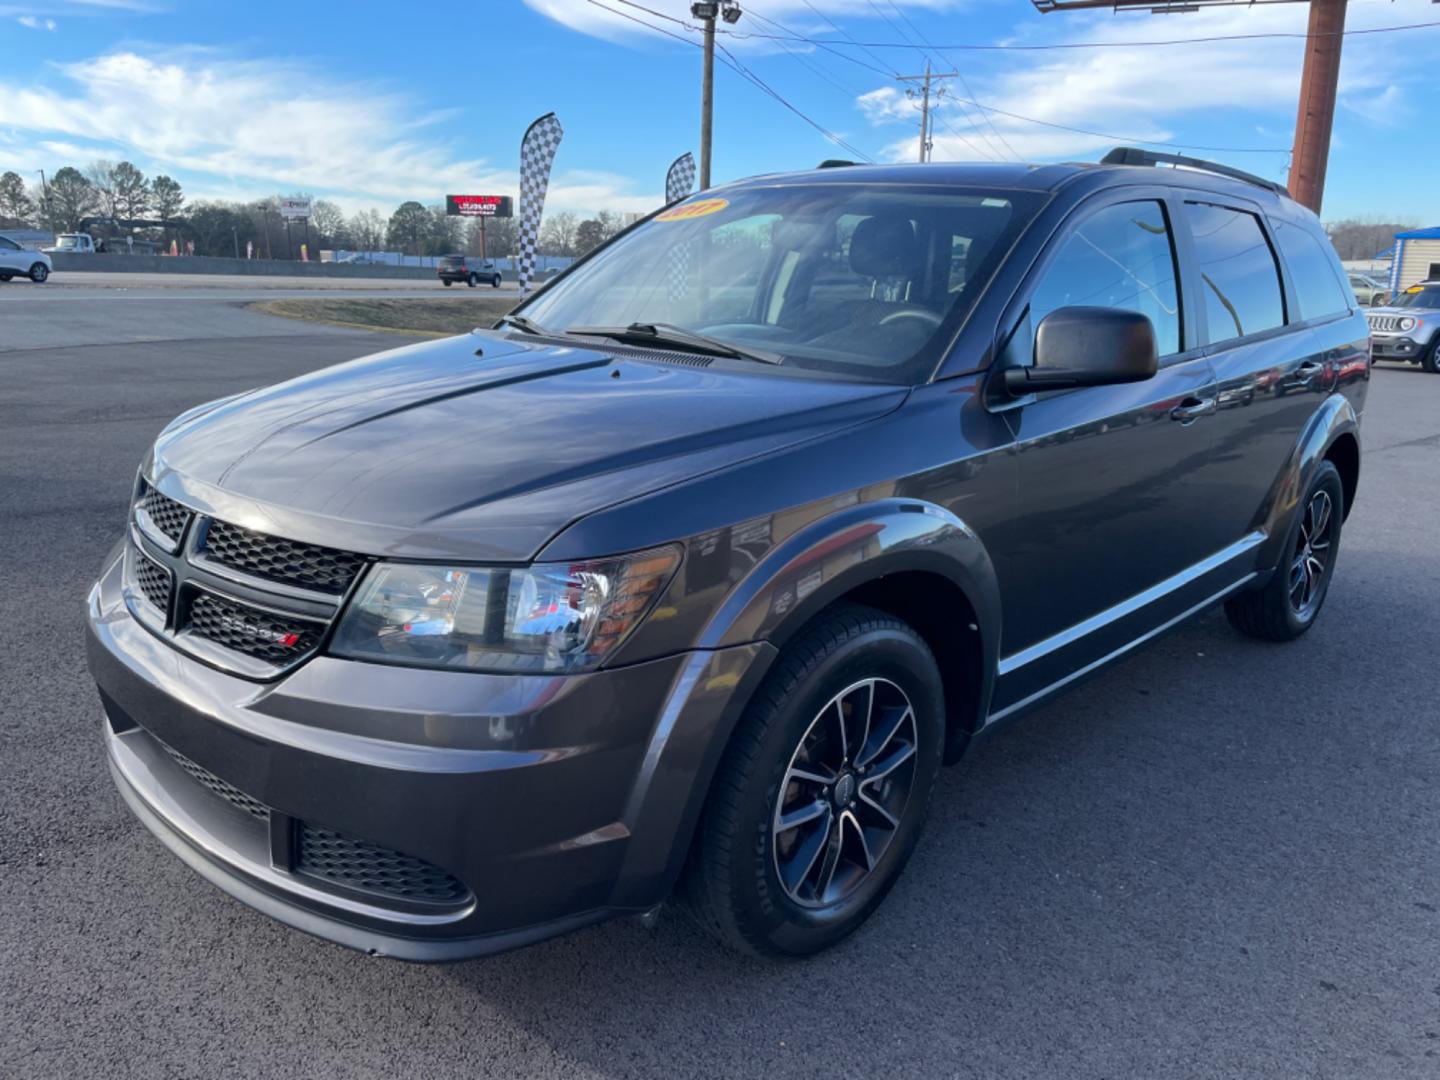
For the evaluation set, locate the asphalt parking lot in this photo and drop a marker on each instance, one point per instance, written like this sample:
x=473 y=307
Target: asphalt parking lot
x=1218 y=859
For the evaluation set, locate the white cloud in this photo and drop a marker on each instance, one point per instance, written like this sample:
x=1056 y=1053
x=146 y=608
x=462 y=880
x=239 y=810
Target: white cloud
x=34 y=22
x=254 y=128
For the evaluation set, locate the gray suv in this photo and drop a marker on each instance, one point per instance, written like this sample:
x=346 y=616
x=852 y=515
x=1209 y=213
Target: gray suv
x=687 y=578
x=1406 y=328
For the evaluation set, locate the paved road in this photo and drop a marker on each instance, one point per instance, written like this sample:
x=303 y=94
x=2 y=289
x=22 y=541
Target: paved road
x=1219 y=859
x=65 y=281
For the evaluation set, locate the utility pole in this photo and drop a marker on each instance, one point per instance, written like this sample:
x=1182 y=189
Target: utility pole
x=707 y=11
x=45 y=198
x=927 y=143
x=1316 y=115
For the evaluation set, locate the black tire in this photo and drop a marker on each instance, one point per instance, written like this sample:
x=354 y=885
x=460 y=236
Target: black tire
x=446 y=282
x=6 y=277
x=732 y=882
x=495 y=282
x=1431 y=360
x=473 y=280
x=39 y=272
x=1273 y=613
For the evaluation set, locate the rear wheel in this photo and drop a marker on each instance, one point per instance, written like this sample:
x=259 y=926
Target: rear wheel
x=4 y=276
x=473 y=280
x=39 y=272
x=495 y=282
x=446 y=282
x=822 y=793
x=1289 y=604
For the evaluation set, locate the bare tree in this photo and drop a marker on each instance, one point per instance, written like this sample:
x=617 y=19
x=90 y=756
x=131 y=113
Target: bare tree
x=15 y=205
x=72 y=198
x=557 y=234
x=166 y=197
x=327 y=220
x=367 y=228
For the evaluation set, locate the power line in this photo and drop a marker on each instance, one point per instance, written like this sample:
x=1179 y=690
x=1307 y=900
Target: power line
x=801 y=58
x=1058 y=45
x=729 y=60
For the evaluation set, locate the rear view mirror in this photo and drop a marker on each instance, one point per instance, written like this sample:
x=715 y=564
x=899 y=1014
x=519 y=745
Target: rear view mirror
x=1087 y=346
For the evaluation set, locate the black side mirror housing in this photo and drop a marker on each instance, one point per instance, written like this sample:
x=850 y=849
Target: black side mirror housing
x=1087 y=346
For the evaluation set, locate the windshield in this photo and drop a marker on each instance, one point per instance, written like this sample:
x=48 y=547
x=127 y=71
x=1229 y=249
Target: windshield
x=66 y=242
x=860 y=281
x=1419 y=296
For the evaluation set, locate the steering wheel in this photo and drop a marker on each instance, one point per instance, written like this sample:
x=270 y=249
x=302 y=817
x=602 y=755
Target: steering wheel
x=912 y=313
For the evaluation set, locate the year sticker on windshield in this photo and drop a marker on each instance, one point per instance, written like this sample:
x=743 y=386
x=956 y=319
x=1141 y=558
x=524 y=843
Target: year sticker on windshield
x=700 y=208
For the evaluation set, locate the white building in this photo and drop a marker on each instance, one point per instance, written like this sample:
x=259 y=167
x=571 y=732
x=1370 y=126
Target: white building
x=1417 y=258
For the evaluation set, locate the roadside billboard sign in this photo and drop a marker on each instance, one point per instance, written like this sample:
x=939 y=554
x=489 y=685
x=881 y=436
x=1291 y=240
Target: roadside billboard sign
x=481 y=206
x=294 y=209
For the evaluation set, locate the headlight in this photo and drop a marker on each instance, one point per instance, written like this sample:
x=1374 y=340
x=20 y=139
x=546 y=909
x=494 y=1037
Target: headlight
x=545 y=618
x=1406 y=324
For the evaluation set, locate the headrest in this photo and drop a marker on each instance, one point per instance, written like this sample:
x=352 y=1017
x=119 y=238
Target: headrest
x=884 y=246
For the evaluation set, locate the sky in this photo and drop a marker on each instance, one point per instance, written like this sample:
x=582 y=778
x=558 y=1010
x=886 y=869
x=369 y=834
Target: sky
x=371 y=104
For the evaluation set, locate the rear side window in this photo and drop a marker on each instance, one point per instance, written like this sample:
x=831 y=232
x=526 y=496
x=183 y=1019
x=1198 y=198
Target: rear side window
x=1238 y=275
x=1119 y=257
x=1317 y=285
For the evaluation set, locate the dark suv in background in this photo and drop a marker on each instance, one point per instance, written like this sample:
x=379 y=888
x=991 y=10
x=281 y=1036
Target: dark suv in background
x=467 y=269
x=688 y=576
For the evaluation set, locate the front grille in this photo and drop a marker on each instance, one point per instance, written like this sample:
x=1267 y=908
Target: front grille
x=368 y=868
x=308 y=566
x=1384 y=324
x=229 y=792
x=276 y=639
x=154 y=581
x=164 y=513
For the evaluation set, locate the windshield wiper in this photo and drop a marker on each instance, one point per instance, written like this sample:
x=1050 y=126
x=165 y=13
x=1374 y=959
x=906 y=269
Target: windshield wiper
x=520 y=322
x=678 y=337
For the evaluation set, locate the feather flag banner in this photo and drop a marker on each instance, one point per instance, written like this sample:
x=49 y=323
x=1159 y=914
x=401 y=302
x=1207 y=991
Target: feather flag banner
x=537 y=154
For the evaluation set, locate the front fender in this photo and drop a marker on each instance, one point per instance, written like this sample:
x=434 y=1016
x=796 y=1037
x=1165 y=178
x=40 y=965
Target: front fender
x=1336 y=417
x=828 y=558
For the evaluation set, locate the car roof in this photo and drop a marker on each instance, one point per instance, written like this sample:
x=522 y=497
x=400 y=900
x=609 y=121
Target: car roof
x=1043 y=178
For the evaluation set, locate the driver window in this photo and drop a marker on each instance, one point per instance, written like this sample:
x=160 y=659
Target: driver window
x=1119 y=257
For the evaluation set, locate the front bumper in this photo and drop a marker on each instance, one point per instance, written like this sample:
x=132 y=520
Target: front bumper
x=554 y=800
x=1395 y=348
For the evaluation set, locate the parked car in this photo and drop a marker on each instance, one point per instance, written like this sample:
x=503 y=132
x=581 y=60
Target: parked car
x=1367 y=290
x=17 y=261
x=686 y=578
x=1406 y=329
x=470 y=270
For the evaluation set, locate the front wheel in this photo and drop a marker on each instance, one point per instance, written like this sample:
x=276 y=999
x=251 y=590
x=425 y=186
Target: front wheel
x=1290 y=602
x=495 y=282
x=1431 y=360
x=5 y=276
x=446 y=282
x=823 y=790
x=473 y=280
x=38 y=273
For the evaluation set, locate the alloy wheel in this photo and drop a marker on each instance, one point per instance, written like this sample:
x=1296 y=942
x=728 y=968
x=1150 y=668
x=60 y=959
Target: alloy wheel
x=844 y=793
x=1311 y=559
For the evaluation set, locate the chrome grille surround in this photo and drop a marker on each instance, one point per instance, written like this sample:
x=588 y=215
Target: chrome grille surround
x=248 y=603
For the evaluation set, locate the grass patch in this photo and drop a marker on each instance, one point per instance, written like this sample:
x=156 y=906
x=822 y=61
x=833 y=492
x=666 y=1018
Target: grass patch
x=440 y=317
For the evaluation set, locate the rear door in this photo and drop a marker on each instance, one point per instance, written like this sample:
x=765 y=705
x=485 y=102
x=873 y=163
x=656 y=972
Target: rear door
x=1271 y=338
x=1111 y=478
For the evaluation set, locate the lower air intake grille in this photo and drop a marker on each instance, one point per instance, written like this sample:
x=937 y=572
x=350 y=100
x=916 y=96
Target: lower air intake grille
x=354 y=864
x=273 y=638
x=154 y=581
x=231 y=794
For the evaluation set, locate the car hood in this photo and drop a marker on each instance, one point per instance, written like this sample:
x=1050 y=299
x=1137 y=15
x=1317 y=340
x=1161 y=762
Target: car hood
x=482 y=446
x=1417 y=312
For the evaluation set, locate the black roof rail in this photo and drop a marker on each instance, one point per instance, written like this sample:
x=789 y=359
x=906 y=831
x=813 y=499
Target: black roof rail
x=1130 y=155
x=835 y=163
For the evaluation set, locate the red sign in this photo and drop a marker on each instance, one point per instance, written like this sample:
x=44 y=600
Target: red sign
x=478 y=206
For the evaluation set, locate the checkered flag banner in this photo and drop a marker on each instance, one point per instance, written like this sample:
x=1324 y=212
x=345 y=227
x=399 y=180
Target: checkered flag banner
x=681 y=178
x=537 y=153
x=678 y=182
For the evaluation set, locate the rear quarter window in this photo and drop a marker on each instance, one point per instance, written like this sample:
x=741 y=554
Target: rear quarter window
x=1312 y=267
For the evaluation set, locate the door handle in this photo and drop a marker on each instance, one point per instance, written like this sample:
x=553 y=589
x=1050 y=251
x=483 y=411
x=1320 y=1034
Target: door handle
x=1191 y=409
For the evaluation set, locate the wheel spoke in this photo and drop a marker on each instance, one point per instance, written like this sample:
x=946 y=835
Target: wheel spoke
x=794 y=873
x=889 y=764
x=1320 y=515
x=857 y=724
x=800 y=815
x=810 y=773
x=859 y=834
x=831 y=860
x=890 y=730
x=840 y=722
x=891 y=821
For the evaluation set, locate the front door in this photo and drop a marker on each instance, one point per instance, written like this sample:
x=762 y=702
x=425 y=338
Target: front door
x=1112 y=538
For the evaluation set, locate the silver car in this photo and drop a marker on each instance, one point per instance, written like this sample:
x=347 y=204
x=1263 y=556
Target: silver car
x=1368 y=291
x=1406 y=328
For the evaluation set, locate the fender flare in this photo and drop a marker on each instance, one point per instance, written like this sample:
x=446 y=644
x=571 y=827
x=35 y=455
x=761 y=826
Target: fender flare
x=865 y=541
x=1335 y=418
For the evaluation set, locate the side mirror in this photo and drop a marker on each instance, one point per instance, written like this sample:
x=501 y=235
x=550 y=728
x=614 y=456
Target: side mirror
x=1087 y=346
